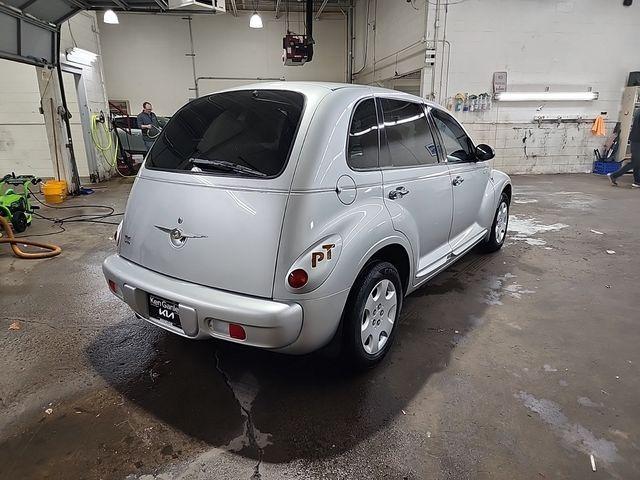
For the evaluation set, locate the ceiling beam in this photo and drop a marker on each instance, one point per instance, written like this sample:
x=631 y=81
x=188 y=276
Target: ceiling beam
x=321 y=9
x=66 y=17
x=162 y=4
x=234 y=8
x=27 y=4
x=122 y=4
x=77 y=3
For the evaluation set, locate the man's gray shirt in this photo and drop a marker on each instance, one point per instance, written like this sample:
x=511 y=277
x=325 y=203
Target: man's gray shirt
x=147 y=119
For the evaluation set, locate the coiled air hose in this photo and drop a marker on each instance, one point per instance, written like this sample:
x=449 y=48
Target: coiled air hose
x=95 y=134
x=53 y=249
x=102 y=148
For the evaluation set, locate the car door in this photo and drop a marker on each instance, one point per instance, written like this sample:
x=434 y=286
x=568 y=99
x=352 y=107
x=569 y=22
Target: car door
x=417 y=187
x=469 y=179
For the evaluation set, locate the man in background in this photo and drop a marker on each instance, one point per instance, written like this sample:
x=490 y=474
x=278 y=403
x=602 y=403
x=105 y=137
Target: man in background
x=148 y=123
x=634 y=164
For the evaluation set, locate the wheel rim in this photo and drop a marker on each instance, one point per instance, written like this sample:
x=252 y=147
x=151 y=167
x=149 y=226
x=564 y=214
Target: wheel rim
x=379 y=317
x=502 y=221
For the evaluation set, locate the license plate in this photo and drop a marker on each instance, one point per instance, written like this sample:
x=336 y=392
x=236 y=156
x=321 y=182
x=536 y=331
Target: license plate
x=164 y=309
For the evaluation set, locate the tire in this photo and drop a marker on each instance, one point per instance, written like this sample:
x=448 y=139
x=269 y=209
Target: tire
x=370 y=318
x=498 y=227
x=19 y=222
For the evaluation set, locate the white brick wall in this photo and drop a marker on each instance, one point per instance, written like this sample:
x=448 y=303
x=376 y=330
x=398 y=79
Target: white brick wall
x=144 y=56
x=24 y=144
x=84 y=26
x=563 y=44
x=23 y=140
x=550 y=148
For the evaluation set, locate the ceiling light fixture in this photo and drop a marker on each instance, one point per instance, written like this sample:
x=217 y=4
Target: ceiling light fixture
x=255 y=21
x=79 y=55
x=545 y=96
x=110 y=17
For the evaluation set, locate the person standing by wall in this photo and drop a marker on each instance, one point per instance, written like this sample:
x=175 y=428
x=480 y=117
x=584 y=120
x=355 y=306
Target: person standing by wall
x=148 y=123
x=634 y=164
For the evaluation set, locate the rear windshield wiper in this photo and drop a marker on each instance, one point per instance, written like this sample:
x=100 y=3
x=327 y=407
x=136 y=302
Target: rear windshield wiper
x=226 y=166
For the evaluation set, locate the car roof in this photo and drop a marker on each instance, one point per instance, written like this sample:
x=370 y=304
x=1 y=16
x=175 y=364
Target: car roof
x=309 y=87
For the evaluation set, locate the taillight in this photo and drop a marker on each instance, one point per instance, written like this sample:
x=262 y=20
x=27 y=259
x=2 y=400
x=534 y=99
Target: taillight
x=112 y=286
x=237 y=332
x=298 y=278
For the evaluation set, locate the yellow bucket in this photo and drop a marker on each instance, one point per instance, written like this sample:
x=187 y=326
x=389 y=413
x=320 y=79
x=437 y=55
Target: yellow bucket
x=55 y=191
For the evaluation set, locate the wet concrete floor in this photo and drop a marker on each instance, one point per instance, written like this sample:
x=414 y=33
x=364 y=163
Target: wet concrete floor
x=519 y=364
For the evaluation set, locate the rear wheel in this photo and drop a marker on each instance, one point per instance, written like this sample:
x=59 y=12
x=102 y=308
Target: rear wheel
x=19 y=222
x=499 y=227
x=372 y=313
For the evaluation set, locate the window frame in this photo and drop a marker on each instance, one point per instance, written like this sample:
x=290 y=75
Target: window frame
x=382 y=128
x=285 y=164
x=441 y=140
x=346 y=148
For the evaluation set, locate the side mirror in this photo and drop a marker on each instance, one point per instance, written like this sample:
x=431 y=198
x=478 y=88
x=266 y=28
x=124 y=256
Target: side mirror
x=484 y=152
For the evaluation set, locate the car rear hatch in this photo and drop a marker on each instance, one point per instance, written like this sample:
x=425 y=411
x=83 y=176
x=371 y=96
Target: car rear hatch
x=209 y=204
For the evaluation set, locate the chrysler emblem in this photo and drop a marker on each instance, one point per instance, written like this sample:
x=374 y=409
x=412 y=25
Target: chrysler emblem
x=178 y=237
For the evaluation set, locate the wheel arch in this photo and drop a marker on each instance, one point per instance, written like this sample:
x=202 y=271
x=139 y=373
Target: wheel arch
x=508 y=191
x=396 y=254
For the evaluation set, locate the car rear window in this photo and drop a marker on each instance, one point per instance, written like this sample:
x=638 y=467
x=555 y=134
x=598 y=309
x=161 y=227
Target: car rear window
x=244 y=133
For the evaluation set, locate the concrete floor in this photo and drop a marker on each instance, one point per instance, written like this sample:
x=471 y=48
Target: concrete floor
x=514 y=365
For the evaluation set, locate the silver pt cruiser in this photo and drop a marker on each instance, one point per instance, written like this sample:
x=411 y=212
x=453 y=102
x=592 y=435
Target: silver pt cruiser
x=282 y=215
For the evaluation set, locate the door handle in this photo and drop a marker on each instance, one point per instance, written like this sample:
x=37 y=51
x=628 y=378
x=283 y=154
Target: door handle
x=457 y=181
x=399 y=192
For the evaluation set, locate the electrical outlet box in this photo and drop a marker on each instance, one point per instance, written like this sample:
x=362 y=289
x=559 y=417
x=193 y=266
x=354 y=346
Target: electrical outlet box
x=499 y=82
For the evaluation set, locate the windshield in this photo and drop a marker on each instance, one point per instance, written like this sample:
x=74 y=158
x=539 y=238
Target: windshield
x=241 y=133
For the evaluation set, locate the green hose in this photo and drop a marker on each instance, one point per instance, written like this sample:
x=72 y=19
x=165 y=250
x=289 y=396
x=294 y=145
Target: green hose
x=103 y=149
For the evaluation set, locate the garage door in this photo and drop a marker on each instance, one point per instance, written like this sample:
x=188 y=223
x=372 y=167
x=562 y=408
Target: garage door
x=28 y=29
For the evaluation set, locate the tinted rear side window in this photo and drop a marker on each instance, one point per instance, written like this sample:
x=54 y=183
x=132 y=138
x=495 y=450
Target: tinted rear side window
x=126 y=122
x=409 y=137
x=246 y=133
x=362 y=153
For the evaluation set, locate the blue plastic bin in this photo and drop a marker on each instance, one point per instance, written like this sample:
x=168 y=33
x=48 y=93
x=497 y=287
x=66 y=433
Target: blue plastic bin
x=602 y=168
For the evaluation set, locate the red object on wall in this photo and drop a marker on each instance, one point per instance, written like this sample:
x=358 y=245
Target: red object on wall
x=296 y=50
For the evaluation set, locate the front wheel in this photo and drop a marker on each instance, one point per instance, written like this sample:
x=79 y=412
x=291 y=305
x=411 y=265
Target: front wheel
x=19 y=221
x=499 y=227
x=371 y=314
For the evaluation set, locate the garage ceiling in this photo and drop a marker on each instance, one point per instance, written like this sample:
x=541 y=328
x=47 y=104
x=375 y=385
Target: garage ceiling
x=57 y=11
x=233 y=6
x=29 y=29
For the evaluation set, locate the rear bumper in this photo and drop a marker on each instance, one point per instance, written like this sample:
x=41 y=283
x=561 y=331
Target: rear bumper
x=206 y=312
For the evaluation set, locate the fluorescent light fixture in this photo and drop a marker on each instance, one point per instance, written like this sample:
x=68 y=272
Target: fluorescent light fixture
x=255 y=21
x=545 y=96
x=79 y=55
x=110 y=17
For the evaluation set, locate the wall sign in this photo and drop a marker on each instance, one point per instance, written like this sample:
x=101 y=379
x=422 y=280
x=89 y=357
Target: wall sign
x=499 y=82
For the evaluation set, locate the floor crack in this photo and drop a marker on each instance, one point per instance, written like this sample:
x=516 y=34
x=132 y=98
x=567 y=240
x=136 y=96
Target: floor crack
x=250 y=428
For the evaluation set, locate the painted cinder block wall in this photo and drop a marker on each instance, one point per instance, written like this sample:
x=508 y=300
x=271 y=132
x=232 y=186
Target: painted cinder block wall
x=23 y=139
x=82 y=31
x=26 y=144
x=563 y=44
x=145 y=55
